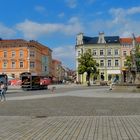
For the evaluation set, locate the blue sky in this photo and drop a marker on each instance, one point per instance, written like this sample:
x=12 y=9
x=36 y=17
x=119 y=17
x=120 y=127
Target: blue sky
x=55 y=23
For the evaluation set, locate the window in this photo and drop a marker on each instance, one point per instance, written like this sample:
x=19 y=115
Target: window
x=116 y=52
x=32 y=64
x=5 y=54
x=94 y=52
x=109 y=63
x=21 y=53
x=101 y=63
x=109 y=52
x=101 y=52
x=13 y=54
x=124 y=53
x=5 y=64
x=32 y=54
x=13 y=64
x=45 y=68
x=116 y=63
x=21 y=64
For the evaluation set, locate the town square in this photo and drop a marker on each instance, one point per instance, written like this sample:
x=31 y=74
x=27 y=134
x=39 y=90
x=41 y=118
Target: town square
x=70 y=70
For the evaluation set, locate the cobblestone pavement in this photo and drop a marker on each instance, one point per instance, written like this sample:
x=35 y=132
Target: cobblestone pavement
x=70 y=128
x=89 y=114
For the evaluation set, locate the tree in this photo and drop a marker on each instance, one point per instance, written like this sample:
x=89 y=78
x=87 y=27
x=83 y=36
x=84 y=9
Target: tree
x=87 y=64
x=137 y=58
x=133 y=62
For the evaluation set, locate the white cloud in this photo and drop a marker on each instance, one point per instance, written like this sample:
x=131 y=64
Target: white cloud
x=133 y=10
x=6 y=32
x=121 y=23
x=33 y=30
x=66 y=54
x=40 y=8
x=61 y=15
x=121 y=15
x=71 y=3
x=124 y=12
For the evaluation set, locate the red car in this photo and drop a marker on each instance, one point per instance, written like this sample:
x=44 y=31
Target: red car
x=44 y=82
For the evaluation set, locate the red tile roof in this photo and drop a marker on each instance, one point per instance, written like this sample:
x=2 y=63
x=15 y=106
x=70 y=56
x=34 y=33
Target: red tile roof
x=126 y=40
x=138 y=39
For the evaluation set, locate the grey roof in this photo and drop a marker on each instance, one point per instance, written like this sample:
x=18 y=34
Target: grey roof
x=94 y=40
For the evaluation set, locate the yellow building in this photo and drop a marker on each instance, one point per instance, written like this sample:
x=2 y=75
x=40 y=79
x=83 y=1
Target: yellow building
x=106 y=51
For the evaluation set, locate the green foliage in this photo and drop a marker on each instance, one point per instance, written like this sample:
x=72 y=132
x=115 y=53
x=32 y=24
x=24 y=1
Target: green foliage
x=128 y=62
x=87 y=64
x=137 y=56
x=129 y=59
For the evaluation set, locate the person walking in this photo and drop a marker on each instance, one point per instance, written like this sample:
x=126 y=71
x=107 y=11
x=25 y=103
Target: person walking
x=113 y=82
x=2 y=91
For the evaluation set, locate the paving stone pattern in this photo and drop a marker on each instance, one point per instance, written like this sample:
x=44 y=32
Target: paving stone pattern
x=70 y=128
x=81 y=115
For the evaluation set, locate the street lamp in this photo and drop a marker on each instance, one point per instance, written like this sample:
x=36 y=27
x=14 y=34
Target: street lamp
x=133 y=51
x=133 y=67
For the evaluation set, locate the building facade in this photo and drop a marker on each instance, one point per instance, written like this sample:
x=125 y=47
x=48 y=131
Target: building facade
x=128 y=45
x=56 y=70
x=17 y=56
x=109 y=52
x=106 y=51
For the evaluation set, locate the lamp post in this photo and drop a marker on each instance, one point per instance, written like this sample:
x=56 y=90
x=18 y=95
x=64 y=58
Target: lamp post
x=133 y=59
x=133 y=67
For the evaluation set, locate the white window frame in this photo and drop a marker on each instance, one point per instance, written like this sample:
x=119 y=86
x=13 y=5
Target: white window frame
x=13 y=54
x=32 y=53
x=101 y=63
x=21 y=53
x=116 y=63
x=124 y=53
x=109 y=52
x=94 y=52
x=116 y=52
x=21 y=64
x=13 y=64
x=5 y=54
x=109 y=63
x=32 y=64
x=101 y=52
x=4 y=64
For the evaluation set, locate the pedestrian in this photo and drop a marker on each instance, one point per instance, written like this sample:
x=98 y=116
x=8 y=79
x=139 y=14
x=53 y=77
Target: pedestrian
x=2 y=91
x=113 y=81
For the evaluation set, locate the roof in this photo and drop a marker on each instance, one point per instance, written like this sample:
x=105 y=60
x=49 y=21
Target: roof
x=129 y=40
x=12 y=40
x=90 y=40
x=112 y=39
x=94 y=40
x=138 y=39
x=126 y=40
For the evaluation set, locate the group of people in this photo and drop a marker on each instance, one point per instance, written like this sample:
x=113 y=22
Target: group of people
x=2 y=91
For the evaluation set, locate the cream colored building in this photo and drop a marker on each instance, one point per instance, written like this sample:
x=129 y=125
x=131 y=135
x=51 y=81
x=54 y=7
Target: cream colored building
x=106 y=51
